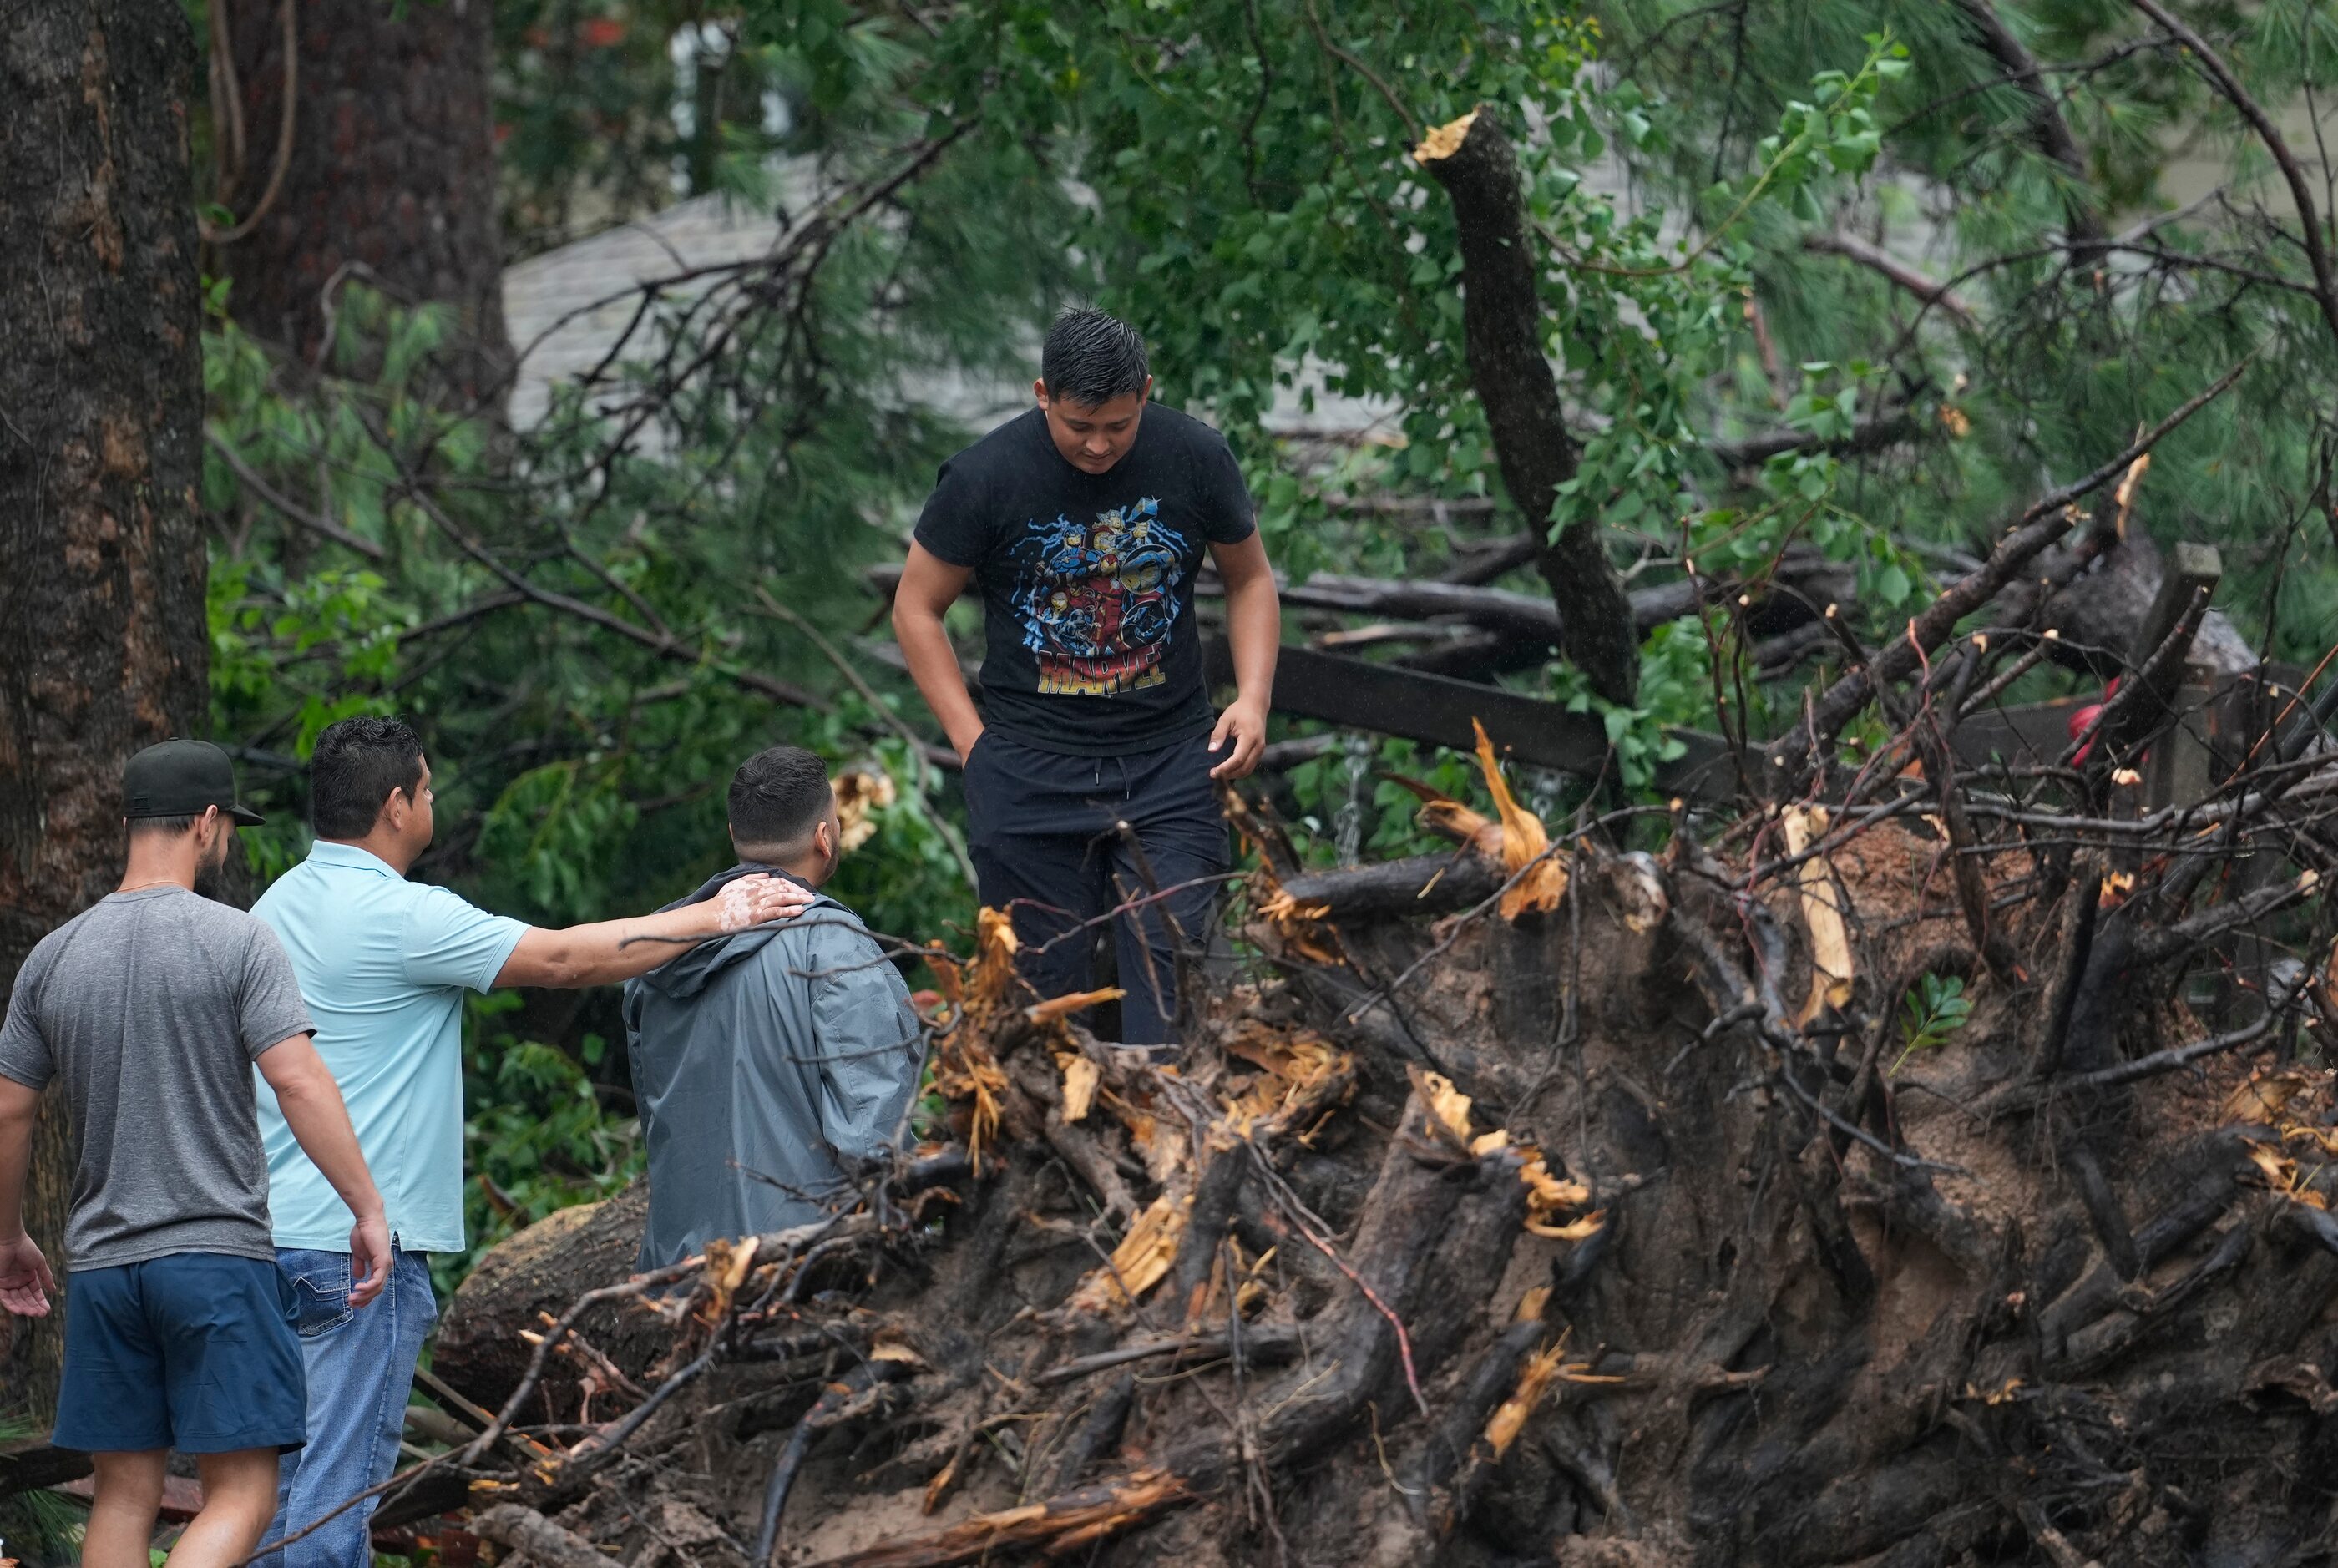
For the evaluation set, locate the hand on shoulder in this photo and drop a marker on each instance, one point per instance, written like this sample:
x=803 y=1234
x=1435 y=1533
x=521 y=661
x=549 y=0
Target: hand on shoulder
x=758 y=900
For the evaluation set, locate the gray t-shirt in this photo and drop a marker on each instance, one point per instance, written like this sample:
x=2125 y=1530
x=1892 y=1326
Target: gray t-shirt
x=152 y=1005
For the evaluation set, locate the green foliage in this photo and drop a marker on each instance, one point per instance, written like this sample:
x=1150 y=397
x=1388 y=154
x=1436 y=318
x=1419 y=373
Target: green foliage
x=1355 y=781
x=2062 y=363
x=1235 y=177
x=36 y=1527
x=1934 y=1008
x=1675 y=687
x=41 y=1527
x=538 y=1137
x=586 y=99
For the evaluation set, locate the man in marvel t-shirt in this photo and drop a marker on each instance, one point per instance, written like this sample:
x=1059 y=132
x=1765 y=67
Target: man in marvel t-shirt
x=1082 y=523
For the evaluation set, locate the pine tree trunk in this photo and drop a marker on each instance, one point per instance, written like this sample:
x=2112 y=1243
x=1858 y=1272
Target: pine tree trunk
x=389 y=175
x=103 y=647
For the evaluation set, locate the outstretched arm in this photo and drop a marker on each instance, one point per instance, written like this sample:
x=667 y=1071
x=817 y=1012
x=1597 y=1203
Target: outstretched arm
x=929 y=586
x=311 y=1103
x=610 y=951
x=24 y=1278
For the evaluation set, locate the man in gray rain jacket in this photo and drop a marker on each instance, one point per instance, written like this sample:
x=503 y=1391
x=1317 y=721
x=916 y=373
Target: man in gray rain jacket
x=770 y=1063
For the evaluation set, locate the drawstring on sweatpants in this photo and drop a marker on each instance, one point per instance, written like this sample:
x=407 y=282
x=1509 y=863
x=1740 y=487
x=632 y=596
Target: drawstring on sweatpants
x=1127 y=788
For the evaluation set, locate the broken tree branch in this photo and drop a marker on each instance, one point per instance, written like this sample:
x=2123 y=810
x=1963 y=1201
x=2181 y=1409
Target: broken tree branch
x=1792 y=757
x=1502 y=323
x=1874 y=257
x=2212 y=65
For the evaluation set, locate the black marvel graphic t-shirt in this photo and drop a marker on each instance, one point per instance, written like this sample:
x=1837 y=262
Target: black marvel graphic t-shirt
x=1090 y=645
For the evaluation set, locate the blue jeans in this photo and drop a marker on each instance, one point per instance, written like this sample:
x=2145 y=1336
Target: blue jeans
x=360 y=1363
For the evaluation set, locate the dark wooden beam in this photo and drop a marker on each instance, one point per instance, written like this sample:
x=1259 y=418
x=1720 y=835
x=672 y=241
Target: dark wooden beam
x=2192 y=571
x=2146 y=710
x=26 y=1466
x=1437 y=710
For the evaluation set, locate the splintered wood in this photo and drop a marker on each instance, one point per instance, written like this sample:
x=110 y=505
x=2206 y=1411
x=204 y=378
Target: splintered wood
x=1298 y=925
x=2300 y=1163
x=1302 y=1078
x=1080 y=1078
x=1510 y=1417
x=1535 y=872
x=1444 y=140
x=1549 y=1197
x=1056 y=1009
x=1831 y=969
x=1056 y=1527
x=963 y=1066
x=1141 y=1260
x=860 y=794
x=1538 y=873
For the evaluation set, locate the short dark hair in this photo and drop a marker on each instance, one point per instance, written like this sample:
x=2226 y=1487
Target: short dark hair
x=1090 y=358
x=778 y=795
x=355 y=765
x=164 y=827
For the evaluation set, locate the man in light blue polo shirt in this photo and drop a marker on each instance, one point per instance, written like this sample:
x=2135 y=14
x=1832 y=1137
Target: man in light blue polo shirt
x=383 y=963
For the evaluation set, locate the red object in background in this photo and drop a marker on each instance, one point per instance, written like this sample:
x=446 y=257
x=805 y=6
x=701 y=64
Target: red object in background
x=455 y=1548
x=2084 y=720
x=183 y=1499
x=594 y=32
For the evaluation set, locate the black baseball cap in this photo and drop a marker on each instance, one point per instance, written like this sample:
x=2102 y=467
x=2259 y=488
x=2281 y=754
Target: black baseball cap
x=181 y=778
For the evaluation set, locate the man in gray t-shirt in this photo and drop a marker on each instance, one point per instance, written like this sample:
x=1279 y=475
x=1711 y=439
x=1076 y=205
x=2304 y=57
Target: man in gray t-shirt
x=149 y=1011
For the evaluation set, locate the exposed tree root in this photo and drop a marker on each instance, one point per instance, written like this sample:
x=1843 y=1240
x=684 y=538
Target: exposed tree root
x=1466 y=1240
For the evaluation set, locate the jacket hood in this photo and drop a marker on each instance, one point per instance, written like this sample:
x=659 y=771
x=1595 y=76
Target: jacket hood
x=693 y=970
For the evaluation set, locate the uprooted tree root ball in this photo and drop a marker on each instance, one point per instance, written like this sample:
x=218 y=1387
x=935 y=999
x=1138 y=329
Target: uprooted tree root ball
x=1728 y=1206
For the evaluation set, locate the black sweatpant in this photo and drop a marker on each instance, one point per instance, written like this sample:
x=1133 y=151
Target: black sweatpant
x=1047 y=846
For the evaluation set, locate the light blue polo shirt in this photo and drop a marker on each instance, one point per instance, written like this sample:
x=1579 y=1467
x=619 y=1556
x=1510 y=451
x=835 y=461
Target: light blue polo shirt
x=383 y=963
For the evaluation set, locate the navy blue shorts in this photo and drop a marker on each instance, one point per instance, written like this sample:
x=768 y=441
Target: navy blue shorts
x=194 y=1351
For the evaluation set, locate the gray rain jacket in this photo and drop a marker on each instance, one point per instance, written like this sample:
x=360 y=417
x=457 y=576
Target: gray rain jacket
x=766 y=1064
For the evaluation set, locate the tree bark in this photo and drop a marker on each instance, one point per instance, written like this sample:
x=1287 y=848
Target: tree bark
x=1501 y=319
x=1680 y=1281
x=390 y=174
x=546 y=1266
x=103 y=650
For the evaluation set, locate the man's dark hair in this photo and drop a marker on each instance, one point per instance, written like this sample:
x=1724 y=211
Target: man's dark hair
x=778 y=795
x=356 y=763
x=1091 y=359
x=162 y=826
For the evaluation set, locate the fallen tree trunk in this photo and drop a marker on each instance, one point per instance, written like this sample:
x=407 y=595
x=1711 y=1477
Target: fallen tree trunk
x=2093 y=611
x=1420 y=884
x=1597 y=1208
x=482 y=1346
